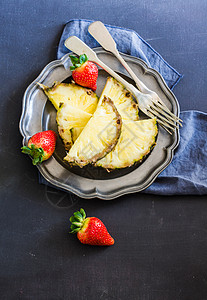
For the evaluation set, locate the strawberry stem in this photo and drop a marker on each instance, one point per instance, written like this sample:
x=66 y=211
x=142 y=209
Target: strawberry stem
x=77 y=220
x=35 y=153
x=78 y=61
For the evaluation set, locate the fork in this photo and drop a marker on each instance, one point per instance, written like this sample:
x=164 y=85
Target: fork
x=149 y=103
x=77 y=46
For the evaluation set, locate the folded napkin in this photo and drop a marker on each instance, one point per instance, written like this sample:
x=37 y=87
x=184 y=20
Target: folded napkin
x=187 y=173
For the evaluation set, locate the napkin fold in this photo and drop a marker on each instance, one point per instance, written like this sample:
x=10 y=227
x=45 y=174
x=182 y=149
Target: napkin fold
x=187 y=173
x=128 y=42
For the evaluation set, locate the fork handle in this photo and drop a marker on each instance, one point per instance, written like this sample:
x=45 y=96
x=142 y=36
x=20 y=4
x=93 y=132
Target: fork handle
x=74 y=44
x=98 y=30
x=129 y=86
x=141 y=86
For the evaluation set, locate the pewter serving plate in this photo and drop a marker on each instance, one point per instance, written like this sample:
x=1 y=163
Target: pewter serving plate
x=38 y=114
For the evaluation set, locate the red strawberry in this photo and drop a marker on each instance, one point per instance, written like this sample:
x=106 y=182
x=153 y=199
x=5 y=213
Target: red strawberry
x=84 y=72
x=90 y=230
x=41 y=146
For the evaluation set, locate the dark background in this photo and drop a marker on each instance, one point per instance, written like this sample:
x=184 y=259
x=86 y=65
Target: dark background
x=160 y=242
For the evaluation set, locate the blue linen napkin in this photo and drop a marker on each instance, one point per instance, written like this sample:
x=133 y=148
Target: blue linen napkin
x=128 y=42
x=187 y=173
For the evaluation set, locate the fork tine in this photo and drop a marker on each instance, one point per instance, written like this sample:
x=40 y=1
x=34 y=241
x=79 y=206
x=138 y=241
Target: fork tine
x=169 y=117
x=166 y=122
x=163 y=124
x=166 y=128
x=164 y=107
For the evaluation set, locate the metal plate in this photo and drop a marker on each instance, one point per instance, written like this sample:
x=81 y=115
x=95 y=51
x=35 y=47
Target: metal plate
x=38 y=114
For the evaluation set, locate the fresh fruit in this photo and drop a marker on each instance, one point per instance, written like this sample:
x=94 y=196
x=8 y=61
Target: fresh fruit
x=71 y=121
x=90 y=230
x=84 y=72
x=75 y=132
x=77 y=106
x=99 y=136
x=122 y=98
x=41 y=146
x=77 y=96
x=136 y=140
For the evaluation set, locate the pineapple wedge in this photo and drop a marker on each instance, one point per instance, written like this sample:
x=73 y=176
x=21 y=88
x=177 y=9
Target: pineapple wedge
x=98 y=137
x=77 y=105
x=71 y=121
x=122 y=99
x=80 y=97
x=136 y=140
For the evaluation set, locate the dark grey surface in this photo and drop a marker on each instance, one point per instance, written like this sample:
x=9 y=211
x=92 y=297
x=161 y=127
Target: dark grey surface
x=161 y=242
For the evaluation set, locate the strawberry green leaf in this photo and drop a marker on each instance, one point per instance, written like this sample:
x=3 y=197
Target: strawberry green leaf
x=26 y=150
x=36 y=153
x=83 y=213
x=72 y=227
x=83 y=58
x=78 y=65
x=78 y=215
x=77 y=220
x=78 y=62
x=74 y=59
x=37 y=160
x=77 y=224
x=72 y=219
x=75 y=230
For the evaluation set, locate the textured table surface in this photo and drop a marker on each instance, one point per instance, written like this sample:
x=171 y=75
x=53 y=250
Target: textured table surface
x=161 y=242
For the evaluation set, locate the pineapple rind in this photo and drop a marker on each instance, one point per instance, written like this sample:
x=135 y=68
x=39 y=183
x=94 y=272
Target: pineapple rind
x=122 y=98
x=66 y=137
x=136 y=141
x=98 y=137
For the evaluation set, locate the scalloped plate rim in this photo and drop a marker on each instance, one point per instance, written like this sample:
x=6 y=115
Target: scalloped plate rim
x=96 y=193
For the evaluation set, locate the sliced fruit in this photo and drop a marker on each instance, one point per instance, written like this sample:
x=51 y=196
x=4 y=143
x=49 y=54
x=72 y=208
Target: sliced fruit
x=78 y=96
x=122 y=99
x=98 y=137
x=136 y=140
x=75 y=132
x=71 y=121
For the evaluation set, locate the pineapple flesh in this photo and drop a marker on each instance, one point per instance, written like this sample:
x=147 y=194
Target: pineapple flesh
x=136 y=141
x=106 y=133
x=99 y=136
x=75 y=106
x=71 y=121
x=121 y=98
x=80 y=97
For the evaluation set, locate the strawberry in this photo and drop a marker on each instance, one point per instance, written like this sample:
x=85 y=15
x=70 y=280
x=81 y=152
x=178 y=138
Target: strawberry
x=84 y=72
x=90 y=230
x=41 y=146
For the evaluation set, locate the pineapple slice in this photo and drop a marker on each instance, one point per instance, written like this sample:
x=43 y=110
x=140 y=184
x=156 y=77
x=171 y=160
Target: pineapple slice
x=122 y=99
x=78 y=96
x=75 y=132
x=71 y=118
x=136 y=140
x=71 y=121
x=98 y=137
